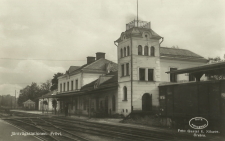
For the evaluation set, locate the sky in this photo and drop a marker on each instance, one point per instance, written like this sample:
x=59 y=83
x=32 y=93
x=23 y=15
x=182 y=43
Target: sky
x=39 y=38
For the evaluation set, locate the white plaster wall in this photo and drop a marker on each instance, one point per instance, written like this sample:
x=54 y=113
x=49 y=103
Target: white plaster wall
x=139 y=87
x=124 y=105
x=40 y=104
x=66 y=79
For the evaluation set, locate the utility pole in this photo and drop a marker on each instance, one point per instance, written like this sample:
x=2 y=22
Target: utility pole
x=15 y=99
x=11 y=101
x=1 y=101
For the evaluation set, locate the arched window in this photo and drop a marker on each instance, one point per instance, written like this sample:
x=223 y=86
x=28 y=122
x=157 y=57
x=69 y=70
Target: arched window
x=124 y=51
x=125 y=93
x=121 y=53
x=139 y=50
x=146 y=51
x=128 y=50
x=152 y=51
x=113 y=103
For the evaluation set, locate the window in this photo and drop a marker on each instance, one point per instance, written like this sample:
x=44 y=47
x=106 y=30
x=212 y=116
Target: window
x=122 y=69
x=139 y=50
x=61 y=87
x=76 y=84
x=173 y=77
x=146 y=51
x=68 y=85
x=191 y=77
x=124 y=51
x=127 y=69
x=150 y=75
x=71 y=85
x=128 y=50
x=125 y=93
x=141 y=74
x=113 y=103
x=64 y=87
x=121 y=53
x=152 y=51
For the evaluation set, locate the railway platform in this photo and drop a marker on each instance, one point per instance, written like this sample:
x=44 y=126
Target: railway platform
x=6 y=130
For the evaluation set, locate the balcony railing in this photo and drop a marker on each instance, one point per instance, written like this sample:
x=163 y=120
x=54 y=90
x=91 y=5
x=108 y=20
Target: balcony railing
x=138 y=23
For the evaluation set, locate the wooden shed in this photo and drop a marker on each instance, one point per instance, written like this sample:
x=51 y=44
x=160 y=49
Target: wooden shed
x=29 y=104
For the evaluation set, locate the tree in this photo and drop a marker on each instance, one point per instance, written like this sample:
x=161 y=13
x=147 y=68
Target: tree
x=54 y=105
x=33 y=92
x=214 y=59
x=46 y=86
x=55 y=81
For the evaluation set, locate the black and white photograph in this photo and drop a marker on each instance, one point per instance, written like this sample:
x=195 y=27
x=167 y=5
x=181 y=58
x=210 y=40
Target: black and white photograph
x=112 y=70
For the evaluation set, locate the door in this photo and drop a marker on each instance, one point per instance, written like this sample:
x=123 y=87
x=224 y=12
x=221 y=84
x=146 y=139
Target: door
x=147 y=102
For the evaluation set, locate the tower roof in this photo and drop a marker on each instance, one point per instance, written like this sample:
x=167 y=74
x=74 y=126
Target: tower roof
x=137 y=29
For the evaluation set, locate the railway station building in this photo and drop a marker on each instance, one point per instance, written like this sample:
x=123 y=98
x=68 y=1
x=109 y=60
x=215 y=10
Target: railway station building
x=131 y=84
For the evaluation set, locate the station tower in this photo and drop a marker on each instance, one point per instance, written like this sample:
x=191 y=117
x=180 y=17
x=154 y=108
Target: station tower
x=138 y=52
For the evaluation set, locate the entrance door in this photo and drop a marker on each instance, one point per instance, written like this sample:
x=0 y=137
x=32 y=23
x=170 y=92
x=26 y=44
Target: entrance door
x=147 y=102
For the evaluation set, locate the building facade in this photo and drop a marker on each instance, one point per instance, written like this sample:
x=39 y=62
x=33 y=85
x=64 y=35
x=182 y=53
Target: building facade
x=142 y=64
x=101 y=86
x=73 y=86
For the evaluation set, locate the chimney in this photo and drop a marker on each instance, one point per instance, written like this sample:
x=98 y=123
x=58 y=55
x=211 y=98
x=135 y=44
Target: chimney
x=100 y=55
x=90 y=59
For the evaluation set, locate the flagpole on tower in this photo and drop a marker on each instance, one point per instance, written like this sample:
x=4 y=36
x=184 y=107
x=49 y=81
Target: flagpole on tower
x=137 y=13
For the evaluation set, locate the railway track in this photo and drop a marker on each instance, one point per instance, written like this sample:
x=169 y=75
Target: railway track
x=117 y=132
x=72 y=129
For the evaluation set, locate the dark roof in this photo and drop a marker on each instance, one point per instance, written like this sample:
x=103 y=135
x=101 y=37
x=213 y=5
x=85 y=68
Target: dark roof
x=111 y=82
x=73 y=68
x=176 y=53
x=98 y=66
x=108 y=85
x=203 y=68
x=49 y=94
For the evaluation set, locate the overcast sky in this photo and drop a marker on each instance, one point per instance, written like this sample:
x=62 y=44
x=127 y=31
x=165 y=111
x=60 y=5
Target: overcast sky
x=41 y=37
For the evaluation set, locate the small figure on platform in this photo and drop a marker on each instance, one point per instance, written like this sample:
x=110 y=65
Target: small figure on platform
x=66 y=110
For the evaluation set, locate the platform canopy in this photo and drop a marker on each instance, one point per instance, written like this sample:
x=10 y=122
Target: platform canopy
x=216 y=70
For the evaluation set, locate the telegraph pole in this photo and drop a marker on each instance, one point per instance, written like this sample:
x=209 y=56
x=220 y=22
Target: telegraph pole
x=137 y=13
x=15 y=99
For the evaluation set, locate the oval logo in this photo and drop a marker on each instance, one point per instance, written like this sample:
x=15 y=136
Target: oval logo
x=198 y=123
